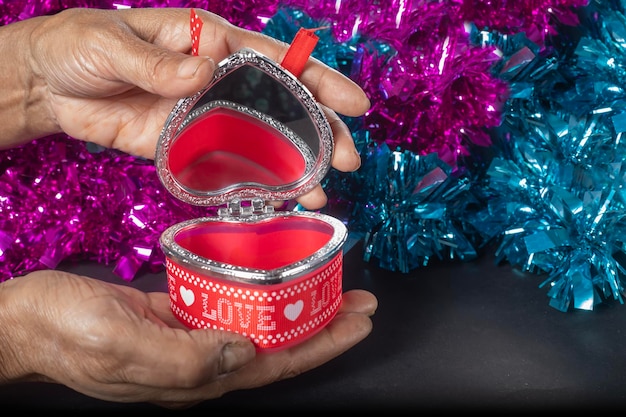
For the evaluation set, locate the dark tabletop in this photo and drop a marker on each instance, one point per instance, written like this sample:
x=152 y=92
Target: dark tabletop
x=449 y=336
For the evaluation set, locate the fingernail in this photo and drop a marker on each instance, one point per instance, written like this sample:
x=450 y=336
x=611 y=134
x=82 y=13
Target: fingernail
x=234 y=356
x=189 y=66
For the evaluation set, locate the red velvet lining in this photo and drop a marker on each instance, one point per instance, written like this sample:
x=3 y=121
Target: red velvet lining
x=264 y=245
x=225 y=147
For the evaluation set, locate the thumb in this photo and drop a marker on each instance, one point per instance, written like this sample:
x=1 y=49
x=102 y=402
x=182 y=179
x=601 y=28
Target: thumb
x=166 y=73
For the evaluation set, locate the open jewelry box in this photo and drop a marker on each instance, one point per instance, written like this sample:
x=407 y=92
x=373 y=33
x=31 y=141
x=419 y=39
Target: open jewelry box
x=255 y=134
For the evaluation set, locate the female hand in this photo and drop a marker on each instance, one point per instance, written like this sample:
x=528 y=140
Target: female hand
x=112 y=76
x=117 y=343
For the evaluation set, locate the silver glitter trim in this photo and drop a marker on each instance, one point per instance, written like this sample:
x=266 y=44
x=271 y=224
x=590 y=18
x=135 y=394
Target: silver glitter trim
x=230 y=272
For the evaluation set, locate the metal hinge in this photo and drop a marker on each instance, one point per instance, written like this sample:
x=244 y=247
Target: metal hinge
x=237 y=208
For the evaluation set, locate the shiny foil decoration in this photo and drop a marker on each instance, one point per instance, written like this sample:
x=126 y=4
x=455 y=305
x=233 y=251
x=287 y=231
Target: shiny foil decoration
x=555 y=190
x=477 y=106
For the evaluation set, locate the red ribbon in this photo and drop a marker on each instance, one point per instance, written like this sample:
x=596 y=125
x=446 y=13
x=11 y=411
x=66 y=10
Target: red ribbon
x=299 y=51
x=195 y=27
x=295 y=59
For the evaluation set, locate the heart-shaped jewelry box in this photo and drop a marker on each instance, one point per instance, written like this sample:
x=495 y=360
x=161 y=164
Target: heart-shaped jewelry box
x=255 y=134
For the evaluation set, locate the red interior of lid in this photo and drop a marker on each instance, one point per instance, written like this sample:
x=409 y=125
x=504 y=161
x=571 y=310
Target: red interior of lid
x=268 y=244
x=223 y=147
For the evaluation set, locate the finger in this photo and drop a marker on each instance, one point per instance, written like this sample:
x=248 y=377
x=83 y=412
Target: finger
x=359 y=301
x=342 y=333
x=350 y=326
x=345 y=156
x=328 y=85
x=150 y=53
x=160 y=71
x=314 y=199
x=186 y=357
x=159 y=303
x=220 y=38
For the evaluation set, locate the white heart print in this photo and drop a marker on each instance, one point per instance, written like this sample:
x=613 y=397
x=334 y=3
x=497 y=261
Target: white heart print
x=187 y=295
x=292 y=311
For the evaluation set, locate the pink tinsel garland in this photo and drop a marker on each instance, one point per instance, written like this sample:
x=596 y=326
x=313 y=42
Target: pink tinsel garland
x=62 y=201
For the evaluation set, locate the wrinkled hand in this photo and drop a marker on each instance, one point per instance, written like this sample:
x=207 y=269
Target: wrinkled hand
x=116 y=343
x=113 y=76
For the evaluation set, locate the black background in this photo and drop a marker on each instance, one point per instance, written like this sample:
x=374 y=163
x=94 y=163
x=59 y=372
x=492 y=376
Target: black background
x=450 y=336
